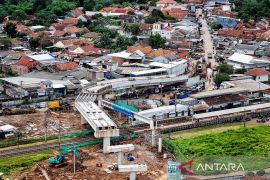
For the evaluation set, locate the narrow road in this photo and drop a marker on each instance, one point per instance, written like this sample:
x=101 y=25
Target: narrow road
x=208 y=49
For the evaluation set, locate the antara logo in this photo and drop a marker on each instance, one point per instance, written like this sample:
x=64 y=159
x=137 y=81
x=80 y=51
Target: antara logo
x=220 y=167
x=183 y=168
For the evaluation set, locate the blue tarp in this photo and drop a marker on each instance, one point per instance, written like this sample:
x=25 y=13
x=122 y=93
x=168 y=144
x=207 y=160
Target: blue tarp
x=226 y=22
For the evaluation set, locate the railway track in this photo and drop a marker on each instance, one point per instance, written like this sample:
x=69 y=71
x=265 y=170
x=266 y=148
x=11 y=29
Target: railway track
x=41 y=147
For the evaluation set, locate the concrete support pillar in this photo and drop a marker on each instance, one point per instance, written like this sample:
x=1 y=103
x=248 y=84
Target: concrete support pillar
x=132 y=176
x=106 y=144
x=120 y=158
x=99 y=103
x=83 y=121
x=159 y=145
x=119 y=115
x=153 y=137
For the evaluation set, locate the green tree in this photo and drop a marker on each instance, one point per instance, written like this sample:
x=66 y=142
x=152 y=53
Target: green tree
x=18 y=135
x=133 y=28
x=216 y=26
x=220 y=77
x=5 y=42
x=89 y=5
x=20 y=34
x=46 y=44
x=10 y=29
x=156 y=15
x=34 y=42
x=19 y=15
x=156 y=41
x=225 y=68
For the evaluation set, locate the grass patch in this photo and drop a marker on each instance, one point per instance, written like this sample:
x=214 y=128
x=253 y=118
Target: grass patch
x=211 y=129
x=249 y=146
x=14 y=142
x=16 y=164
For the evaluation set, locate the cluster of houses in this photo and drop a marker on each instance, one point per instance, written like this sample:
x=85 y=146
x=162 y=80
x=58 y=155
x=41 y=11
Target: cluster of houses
x=70 y=61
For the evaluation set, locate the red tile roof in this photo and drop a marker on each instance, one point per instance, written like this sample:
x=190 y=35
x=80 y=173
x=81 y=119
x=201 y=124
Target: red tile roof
x=66 y=66
x=72 y=29
x=116 y=10
x=166 y=2
x=28 y=62
x=90 y=49
x=257 y=72
x=59 y=33
x=146 y=27
x=70 y=21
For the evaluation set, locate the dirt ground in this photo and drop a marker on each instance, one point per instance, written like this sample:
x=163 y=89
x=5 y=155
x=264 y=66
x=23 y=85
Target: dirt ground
x=33 y=124
x=90 y=156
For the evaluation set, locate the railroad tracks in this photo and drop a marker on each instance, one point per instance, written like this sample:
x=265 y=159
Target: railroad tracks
x=41 y=147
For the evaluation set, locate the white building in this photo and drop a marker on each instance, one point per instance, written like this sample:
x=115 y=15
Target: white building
x=174 y=67
x=166 y=3
x=259 y=74
x=242 y=61
x=164 y=112
x=163 y=29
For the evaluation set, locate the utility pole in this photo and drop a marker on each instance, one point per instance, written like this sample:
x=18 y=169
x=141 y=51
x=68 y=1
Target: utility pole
x=161 y=91
x=74 y=160
x=46 y=124
x=59 y=133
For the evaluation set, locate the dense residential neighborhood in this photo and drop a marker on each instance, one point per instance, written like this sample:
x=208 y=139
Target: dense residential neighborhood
x=133 y=89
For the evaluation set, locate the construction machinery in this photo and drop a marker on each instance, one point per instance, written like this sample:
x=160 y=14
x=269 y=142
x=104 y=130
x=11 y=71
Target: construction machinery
x=59 y=159
x=59 y=105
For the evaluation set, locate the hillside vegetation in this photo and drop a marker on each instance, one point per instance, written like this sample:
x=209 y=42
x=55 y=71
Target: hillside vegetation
x=252 y=9
x=46 y=11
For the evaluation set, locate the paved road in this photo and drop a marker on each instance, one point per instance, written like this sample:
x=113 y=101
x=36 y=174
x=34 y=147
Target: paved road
x=208 y=49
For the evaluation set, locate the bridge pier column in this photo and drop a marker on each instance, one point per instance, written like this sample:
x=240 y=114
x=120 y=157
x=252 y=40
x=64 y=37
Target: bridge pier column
x=106 y=144
x=120 y=158
x=83 y=121
x=132 y=176
x=99 y=103
x=153 y=137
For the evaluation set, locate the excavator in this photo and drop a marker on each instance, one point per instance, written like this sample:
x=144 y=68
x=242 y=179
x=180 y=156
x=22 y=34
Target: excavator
x=59 y=159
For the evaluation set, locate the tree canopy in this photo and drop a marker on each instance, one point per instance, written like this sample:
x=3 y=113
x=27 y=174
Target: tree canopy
x=252 y=9
x=156 y=41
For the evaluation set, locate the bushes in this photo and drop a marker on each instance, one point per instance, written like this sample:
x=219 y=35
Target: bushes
x=244 y=141
x=248 y=146
x=14 y=141
x=18 y=163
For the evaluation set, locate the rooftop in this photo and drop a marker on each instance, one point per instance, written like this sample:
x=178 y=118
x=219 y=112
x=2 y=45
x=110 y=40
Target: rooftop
x=218 y=92
x=257 y=72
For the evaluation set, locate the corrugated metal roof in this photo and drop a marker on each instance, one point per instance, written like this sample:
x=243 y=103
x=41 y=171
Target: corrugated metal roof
x=231 y=111
x=217 y=92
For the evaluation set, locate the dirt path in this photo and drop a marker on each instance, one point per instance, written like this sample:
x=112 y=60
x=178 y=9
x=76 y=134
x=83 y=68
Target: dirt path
x=208 y=49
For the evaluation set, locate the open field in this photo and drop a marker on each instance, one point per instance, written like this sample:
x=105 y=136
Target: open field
x=210 y=129
x=249 y=146
x=19 y=163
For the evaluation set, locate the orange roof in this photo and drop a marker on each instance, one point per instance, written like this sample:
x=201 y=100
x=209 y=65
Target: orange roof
x=116 y=10
x=168 y=28
x=59 y=33
x=145 y=50
x=166 y=2
x=67 y=66
x=160 y=52
x=145 y=27
x=257 y=72
x=72 y=29
x=183 y=54
x=28 y=62
x=70 y=21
